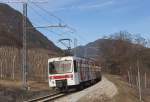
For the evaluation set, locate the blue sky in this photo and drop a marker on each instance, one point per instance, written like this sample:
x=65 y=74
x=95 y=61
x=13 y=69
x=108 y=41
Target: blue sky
x=92 y=19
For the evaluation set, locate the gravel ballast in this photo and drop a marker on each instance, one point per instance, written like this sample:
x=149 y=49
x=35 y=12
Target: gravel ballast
x=103 y=90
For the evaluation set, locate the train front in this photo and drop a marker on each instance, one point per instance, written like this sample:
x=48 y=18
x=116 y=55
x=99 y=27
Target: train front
x=60 y=72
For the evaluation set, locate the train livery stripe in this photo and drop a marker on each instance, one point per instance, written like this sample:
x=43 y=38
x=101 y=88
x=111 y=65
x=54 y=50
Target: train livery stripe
x=61 y=76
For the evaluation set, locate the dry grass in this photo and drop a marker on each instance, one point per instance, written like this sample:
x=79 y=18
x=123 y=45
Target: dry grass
x=34 y=85
x=11 y=91
x=102 y=98
x=126 y=93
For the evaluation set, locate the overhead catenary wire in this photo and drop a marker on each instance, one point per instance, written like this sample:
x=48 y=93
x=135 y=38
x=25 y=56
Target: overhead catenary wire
x=39 y=27
x=72 y=31
x=61 y=20
x=47 y=20
x=43 y=18
x=37 y=13
x=49 y=13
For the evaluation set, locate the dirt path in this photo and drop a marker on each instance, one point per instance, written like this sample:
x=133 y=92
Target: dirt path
x=103 y=89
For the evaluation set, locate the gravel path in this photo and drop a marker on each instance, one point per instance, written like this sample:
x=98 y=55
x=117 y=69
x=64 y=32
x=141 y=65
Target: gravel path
x=102 y=88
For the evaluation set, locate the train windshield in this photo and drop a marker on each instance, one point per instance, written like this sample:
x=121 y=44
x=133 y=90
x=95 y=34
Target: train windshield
x=60 y=67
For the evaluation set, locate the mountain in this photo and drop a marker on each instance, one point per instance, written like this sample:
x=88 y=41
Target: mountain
x=11 y=31
x=117 y=54
x=91 y=50
x=40 y=49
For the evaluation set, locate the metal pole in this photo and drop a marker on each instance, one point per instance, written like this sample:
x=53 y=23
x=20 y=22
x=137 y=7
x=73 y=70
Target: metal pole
x=24 y=58
x=85 y=52
x=75 y=45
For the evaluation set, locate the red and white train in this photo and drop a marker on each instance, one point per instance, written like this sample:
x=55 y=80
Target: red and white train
x=70 y=71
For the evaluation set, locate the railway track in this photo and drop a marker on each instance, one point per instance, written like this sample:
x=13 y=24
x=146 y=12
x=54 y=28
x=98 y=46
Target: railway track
x=47 y=98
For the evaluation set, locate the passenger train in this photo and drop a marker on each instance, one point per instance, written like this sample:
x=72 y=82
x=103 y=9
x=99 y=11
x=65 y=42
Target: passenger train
x=71 y=71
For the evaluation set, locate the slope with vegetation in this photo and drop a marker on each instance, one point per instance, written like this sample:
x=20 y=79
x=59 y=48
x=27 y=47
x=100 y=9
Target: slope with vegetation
x=39 y=47
x=123 y=54
x=119 y=53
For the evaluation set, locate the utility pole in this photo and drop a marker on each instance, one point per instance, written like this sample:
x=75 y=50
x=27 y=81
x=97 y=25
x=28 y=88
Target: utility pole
x=24 y=51
x=25 y=28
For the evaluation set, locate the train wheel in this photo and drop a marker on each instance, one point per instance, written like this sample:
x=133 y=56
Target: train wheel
x=66 y=89
x=81 y=87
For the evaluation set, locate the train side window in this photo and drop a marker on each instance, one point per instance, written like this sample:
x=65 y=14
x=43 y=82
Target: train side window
x=75 y=66
x=51 y=68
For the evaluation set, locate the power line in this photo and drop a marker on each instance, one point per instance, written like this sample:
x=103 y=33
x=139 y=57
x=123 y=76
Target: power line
x=60 y=20
x=49 y=13
x=57 y=34
x=45 y=20
x=37 y=13
x=76 y=32
x=73 y=30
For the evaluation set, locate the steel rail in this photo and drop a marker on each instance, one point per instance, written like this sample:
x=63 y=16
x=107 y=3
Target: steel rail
x=47 y=98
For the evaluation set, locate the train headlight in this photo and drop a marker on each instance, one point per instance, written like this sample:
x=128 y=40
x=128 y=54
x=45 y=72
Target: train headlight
x=53 y=82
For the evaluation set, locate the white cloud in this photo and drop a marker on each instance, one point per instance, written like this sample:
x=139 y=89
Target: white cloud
x=62 y=5
x=92 y=5
x=95 y=5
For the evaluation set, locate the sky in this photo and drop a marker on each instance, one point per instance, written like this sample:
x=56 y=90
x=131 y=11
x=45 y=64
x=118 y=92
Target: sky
x=89 y=19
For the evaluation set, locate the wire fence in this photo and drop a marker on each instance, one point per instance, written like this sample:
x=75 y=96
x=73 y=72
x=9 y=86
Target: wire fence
x=144 y=79
x=141 y=83
x=11 y=63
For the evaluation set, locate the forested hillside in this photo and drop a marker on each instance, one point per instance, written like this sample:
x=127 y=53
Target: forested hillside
x=39 y=47
x=122 y=54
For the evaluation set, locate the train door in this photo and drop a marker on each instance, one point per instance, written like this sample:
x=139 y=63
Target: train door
x=76 y=72
x=88 y=70
x=81 y=71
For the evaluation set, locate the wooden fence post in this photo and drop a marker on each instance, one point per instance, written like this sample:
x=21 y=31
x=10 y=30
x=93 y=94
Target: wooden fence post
x=1 y=70
x=13 y=72
x=139 y=81
x=129 y=78
x=145 y=79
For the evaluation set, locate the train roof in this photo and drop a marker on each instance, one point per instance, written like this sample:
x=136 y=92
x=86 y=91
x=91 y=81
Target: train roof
x=68 y=58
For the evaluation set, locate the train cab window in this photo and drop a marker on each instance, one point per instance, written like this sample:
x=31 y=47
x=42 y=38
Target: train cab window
x=75 y=66
x=60 y=67
x=51 y=68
